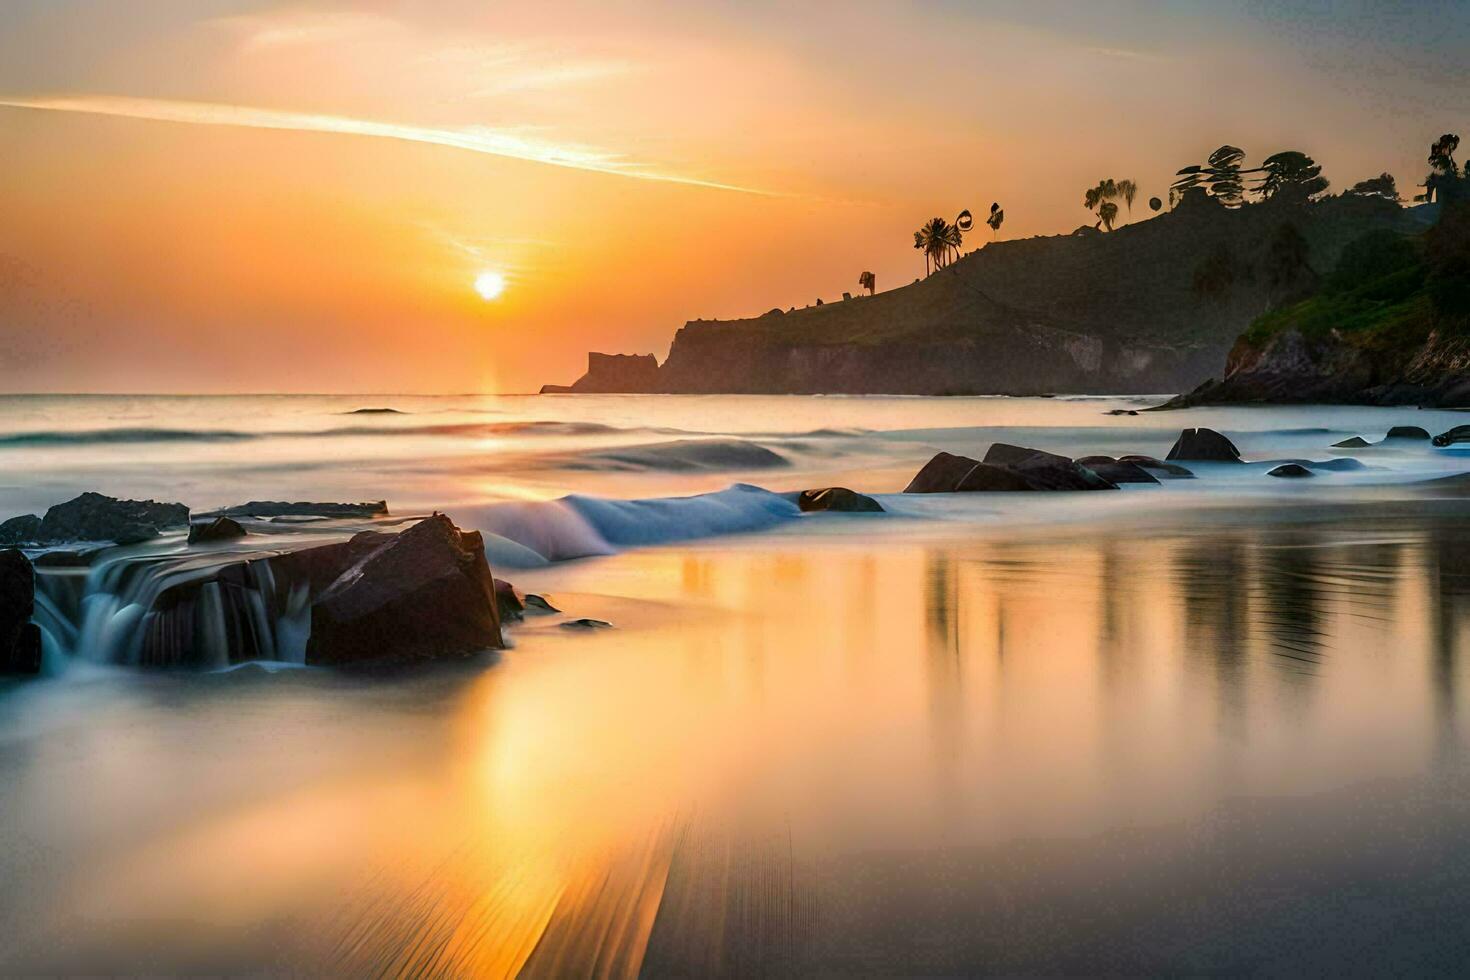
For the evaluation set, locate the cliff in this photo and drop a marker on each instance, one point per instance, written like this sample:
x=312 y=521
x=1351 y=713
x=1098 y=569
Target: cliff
x=1389 y=326
x=1153 y=306
x=611 y=374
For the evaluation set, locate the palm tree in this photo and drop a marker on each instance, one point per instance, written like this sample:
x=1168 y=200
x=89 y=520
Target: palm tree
x=937 y=238
x=1128 y=189
x=1107 y=212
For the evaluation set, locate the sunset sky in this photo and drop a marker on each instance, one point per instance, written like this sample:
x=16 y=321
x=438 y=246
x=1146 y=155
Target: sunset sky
x=201 y=196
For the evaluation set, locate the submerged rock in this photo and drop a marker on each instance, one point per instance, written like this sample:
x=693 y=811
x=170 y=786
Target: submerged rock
x=219 y=529
x=97 y=517
x=1356 y=442
x=1206 y=445
x=507 y=601
x=1460 y=433
x=1407 y=432
x=301 y=508
x=1291 y=471
x=1117 y=470
x=942 y=474
x=1170 y=471
x=539 y=604
x=1044 y=470
x=838 y=498
x=425 y=593
x=586 y=624
x=20 y=639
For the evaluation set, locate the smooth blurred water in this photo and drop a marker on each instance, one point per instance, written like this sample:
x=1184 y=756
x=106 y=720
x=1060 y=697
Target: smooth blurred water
x=1216 y=725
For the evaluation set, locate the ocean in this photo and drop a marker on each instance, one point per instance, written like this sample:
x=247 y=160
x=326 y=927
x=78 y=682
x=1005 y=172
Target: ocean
x=1212 y=725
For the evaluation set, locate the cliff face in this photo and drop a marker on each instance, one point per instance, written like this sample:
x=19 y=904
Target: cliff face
x=613 y=374
x=1154 y=306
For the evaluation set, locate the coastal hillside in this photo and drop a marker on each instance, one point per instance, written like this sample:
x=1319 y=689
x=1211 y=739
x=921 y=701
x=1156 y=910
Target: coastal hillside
x=1153 y=306
x=1389 y=326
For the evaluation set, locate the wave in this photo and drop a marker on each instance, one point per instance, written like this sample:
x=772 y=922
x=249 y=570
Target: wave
x=679 y=456
x=88 y=437
x=580 y=527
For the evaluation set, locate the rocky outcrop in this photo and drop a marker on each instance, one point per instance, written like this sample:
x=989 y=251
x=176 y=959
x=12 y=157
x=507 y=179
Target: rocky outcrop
x=425 y=593
x=1154 y=306
x=1291 y=471
x=1005 y=468
x=302 y=508
x=1165 y=471
x=1204 y=445
x=20 y=639
x=839 y=499
x=95 y=517
x=1045 y=471
x=1117 y=470
x=613 y=374
x=219 y=529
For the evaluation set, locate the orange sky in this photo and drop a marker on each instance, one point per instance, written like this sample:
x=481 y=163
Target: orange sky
x=235 y=196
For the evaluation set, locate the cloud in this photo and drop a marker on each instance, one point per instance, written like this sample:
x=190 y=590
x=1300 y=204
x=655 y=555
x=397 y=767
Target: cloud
x=476 y=139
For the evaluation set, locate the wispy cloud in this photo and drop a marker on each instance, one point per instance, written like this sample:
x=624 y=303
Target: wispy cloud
x=475 y=139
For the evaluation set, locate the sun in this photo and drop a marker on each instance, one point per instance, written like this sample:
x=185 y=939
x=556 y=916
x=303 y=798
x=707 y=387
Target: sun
x=489 y=285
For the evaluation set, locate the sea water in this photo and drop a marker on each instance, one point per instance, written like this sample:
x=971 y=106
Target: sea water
x=1214 y=724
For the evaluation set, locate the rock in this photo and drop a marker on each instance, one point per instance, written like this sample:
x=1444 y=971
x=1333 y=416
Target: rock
x=1121 y=411
x=838 y=498
x=1291 y=471
x=20 y=530
x=301 y=508
x=317 y=568
x=614 y=373
x=507 y=602
x=943 y=473
x=95 y=517
x=1170 y=471
x=1045 y=471
x=988 y=478
x=20 y=639
x=219 y=529
x=1356 y=442
x=426 y=593
x=1117 y=470
x=1204 y=444
x=1340 y=465
x=1460 y=433
x=556 y=389
x=375 y=411
x=1407 y=432
x=586 y=624
x=539 y=604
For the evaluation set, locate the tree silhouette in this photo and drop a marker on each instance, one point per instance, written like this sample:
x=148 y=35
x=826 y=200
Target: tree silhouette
x=1220 y=175
x=1128 y=190
x=1442 y=169
x=937 y=239
x=997 y=217
x=1381 y=186
x=1100 y=199
x=1290 y=176
x=1107 y=213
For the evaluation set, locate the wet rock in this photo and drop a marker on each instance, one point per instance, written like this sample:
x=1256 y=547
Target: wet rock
x=426 y=593
x=317 y=568
x=20 y=530
x=838 y=498
x=586 y=624
x=1407 y=432
x=988 y=478
x=20 y=639
x=508 y=601
x=539 y=604
x=96 y=517
x=1121 y=411
x=1356 y=442
x=219 y=529
x=1460 y=433
x=1169 y=471
x=1204 y=444
x=302 y=508
x=1117 y=470
x=1044 y=470
x=942 y=474
x=1291 y=471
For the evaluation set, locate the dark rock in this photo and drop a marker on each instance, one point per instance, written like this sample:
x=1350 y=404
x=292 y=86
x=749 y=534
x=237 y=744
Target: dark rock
x=20 y=530
x=1291 y=471
x=426 y=593
x=219 y=529
x=615 y=373
x=1356 y=442
x=95 y=517
x=20 y=651
x=317 y=568
x=838 y=498
x=1121 y=411
x=301 y=508
x=1204 y=444
x=987 y=478
x=1460 y=433
x=375 y=411
x=1170 y=471
x=507 y=601
x=1407 y=432
x=1117 y=470
x=942 y=474
x=539 y=604
x=586 y=624
x=1045 y=471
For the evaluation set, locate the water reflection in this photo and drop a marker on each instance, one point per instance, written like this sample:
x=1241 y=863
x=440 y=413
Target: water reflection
x=1019 y=753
